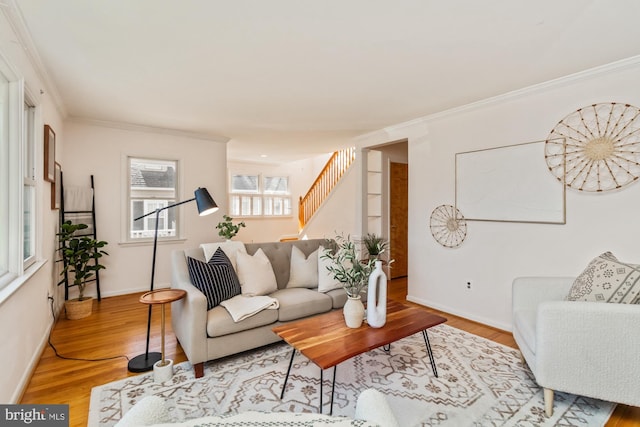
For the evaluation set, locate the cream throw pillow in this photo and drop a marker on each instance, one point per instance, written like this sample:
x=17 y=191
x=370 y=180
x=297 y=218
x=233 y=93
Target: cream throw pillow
x=230 y=249
x=326 y=282
x=607 y=280
x=303 y=271
x=255 y=274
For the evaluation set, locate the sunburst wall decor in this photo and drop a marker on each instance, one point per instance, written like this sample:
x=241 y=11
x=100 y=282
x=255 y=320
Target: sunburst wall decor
x=602 y=143
x=448 y=226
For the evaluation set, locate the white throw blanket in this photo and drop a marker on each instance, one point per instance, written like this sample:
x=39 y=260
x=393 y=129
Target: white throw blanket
x=240 y=307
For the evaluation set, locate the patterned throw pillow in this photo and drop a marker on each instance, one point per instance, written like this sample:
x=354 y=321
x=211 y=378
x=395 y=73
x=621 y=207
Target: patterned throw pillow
x=607 y=280
x=216 y=279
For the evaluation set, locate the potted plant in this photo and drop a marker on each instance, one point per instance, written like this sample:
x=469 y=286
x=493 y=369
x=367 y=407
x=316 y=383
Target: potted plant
x=348 y=269
x=375 y=245
x=227 y=228
x=80 y=255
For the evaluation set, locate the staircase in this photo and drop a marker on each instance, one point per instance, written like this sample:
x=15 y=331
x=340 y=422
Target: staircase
x=326 y=181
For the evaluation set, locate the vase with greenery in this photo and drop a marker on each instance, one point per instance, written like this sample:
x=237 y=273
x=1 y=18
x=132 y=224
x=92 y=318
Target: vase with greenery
x=227 y=228
x=80 y=255
x=352 y=272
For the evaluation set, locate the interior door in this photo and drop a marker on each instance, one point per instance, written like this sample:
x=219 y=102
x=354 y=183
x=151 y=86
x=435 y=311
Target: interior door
x=399 y=204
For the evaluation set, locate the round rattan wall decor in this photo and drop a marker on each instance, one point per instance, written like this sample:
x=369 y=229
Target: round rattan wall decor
x=448 y=226
x=602 y=143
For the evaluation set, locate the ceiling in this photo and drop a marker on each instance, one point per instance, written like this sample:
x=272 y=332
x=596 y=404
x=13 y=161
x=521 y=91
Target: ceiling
x=294 y=78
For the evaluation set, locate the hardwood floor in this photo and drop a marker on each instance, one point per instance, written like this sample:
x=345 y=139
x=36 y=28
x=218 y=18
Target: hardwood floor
x=116 y=331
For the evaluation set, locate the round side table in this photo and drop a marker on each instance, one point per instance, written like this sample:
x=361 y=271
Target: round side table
x=163 y=297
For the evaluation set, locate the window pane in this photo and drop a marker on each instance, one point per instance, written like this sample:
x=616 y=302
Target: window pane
x=276 y=185
x=244 y=184
x=153 y=186
x=245 y=208
x=257 y=205
x=29 y=243
x=235 y=205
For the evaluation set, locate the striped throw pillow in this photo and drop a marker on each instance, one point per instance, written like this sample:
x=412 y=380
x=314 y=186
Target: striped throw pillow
x=216 y=279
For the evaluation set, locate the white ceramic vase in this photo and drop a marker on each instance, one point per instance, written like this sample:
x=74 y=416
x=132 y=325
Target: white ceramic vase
x=353 y=312
x=377 y=297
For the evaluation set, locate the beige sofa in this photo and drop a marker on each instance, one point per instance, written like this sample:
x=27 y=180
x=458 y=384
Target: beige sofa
x=208 y=335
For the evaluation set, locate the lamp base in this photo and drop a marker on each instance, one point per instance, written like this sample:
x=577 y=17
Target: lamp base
x=144 y=362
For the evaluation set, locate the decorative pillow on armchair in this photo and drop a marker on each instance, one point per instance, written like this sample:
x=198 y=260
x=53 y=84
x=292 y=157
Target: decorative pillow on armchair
x=216 y=279
x=607 y=280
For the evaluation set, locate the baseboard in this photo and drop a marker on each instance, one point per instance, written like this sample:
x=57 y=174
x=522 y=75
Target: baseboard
x=33 y=364
x=456 y=312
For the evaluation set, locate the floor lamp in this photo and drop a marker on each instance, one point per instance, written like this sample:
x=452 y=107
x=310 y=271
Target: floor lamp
x=206 y=205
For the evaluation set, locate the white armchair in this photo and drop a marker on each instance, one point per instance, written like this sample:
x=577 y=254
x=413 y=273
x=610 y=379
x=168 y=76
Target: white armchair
x=585 y=348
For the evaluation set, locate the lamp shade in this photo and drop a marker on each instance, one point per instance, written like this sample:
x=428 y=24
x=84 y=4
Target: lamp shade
x=205 y=202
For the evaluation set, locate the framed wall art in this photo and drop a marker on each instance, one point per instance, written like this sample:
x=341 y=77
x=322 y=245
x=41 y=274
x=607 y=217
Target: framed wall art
x=56 y=187
x=509 y=184
x=49 y=154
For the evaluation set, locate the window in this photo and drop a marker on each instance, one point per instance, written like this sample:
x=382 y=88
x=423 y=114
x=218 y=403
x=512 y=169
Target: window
x=29 y=188
x=153 y=185
x=18 y=202
x=252 y=196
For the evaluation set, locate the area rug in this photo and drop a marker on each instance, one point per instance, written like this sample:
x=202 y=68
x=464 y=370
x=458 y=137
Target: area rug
x=480 y=383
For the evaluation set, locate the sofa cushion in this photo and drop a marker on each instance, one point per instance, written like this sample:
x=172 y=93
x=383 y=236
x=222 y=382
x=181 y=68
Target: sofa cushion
x=220 y=322
x=229 y=247
x=338 y=297
x=216 y=279
x=326 y=281
x=303 y=270
x=607 y=280
x=255 y=274
x=296 y=303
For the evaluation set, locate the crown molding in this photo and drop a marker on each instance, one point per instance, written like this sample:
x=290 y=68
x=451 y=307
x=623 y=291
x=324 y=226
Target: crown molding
x=16 y=20
x=550 y=84
x=149 y=129
x=420 y=126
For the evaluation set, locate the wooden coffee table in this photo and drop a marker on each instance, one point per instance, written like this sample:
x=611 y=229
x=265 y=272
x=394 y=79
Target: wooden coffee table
x=327 y=341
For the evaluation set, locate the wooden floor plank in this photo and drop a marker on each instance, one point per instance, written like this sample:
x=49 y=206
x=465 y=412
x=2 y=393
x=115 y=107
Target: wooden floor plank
x=117 y=328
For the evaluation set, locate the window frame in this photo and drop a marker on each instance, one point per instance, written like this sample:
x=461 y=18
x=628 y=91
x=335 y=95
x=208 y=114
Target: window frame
x=19 y=168
x=128 y=217
x=260 y=197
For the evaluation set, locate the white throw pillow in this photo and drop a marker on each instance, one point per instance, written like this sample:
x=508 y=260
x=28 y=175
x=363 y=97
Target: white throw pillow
x=230 y=249
x=326 y=282
x=256 y=274
x=303 y=271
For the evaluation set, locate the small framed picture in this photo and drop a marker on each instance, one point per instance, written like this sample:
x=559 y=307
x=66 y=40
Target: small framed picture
x=56 y=187
x=49 y=154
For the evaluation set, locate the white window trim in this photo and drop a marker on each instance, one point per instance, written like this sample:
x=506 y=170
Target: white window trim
x=19 y=270
x=125 y=212
x=261 y=194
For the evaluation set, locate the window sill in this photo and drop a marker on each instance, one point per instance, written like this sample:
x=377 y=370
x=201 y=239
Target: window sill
x=15 y=284
x=149 y=242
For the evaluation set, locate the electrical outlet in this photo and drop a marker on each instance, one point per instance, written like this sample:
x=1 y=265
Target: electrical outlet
x=468 y=285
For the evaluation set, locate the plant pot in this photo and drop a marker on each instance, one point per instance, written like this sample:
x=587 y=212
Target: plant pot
x=78 y=309
x=353 y=312
x=162 y=373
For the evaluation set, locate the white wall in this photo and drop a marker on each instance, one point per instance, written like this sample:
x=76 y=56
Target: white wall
x=339 y=214
x=100 y=151
x=25 y=316
x=495 y=253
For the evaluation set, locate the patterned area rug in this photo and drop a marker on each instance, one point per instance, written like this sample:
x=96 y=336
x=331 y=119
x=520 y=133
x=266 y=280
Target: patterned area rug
x=481 y=383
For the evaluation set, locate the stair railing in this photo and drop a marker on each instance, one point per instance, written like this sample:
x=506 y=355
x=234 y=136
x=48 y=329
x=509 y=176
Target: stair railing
x=328 y=178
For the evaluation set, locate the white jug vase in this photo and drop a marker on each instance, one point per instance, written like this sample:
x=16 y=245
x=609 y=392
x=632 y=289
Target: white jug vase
x=377 y=297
